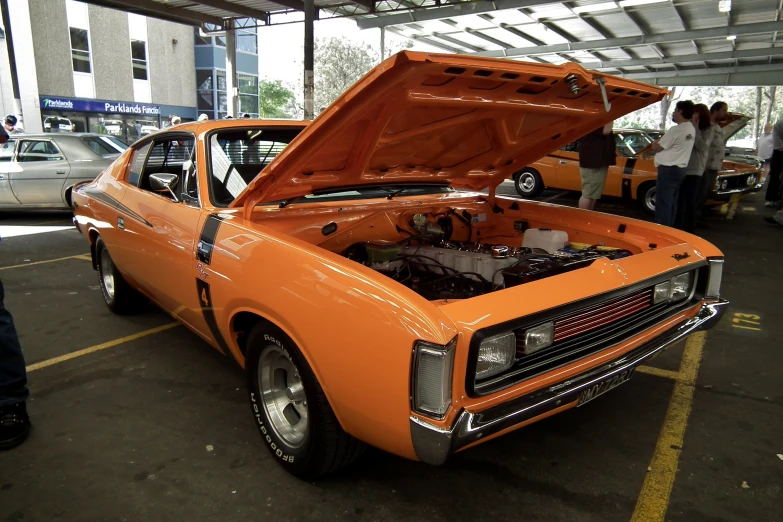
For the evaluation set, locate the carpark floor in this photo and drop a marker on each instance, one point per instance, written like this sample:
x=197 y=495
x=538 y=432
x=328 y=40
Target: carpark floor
x=137 y=419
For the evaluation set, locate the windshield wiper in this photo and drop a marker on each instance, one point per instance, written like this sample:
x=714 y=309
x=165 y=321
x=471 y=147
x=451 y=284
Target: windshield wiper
x=396 y=193
x=288 y=201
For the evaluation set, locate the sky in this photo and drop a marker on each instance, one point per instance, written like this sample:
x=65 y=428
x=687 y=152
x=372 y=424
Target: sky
x=281 y=47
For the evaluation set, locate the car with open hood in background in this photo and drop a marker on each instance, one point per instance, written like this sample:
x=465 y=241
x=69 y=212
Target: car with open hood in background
x=372 y=292
x=634 y=175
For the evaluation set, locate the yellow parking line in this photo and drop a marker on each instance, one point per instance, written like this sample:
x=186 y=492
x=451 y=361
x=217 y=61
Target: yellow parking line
x=98 y=347
x=80 y=256
x=654 y=497
x=659 y=372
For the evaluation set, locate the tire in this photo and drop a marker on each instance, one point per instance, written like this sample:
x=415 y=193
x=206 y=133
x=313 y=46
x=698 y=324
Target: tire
x=646 y=198
x=291 y=410
x=528 y=183
x=119 y=296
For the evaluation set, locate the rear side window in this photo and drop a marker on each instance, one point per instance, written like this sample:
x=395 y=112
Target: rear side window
x=100 y=146
x=7 y=150
x=137 y=163
x=44 y=150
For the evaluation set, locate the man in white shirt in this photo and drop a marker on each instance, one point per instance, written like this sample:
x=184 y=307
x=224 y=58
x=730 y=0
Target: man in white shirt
x=673 y=151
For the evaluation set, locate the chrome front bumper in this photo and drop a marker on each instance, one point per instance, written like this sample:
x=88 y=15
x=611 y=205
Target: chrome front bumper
x=434 y=445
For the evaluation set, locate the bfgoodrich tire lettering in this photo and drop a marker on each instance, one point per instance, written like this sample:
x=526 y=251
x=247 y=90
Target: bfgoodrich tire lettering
x=119 y=296
x=290 y=409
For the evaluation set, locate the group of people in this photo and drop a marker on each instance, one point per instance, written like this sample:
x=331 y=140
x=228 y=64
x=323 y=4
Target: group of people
x=770 y=149
x=688 y=157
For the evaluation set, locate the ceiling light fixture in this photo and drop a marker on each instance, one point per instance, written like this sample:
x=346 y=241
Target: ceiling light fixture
x=634 y=3
x=724 y=6
x=606 y=6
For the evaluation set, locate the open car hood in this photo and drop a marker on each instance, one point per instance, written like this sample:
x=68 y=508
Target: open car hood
x=469 y=121
x=733 y=123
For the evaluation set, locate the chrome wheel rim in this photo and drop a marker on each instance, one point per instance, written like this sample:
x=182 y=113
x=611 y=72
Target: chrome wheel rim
x=106 y=273
x=526 y=182
x=649 y=198
x=283 y=395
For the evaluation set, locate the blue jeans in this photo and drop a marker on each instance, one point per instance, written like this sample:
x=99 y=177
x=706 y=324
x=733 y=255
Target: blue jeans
x=13 y=376
x=667 y=190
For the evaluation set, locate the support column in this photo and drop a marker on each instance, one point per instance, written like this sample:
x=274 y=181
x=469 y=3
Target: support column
x=309 y=83
x=383 y=43
x=9 y=42
x=757 y=123
x=232 y=95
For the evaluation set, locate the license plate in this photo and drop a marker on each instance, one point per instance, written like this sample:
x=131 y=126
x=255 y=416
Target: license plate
x=604 y=386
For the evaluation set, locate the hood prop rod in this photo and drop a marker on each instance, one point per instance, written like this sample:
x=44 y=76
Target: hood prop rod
x=601 y=81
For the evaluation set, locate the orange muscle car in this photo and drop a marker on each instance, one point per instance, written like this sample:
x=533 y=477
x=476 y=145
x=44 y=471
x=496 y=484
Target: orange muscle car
x=634 y=175
x=372 y=293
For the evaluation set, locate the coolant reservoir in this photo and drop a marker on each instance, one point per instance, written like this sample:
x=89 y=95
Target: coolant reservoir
x=549 y=240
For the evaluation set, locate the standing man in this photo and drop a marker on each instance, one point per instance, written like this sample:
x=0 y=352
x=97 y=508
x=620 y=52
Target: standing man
x=11 y=126
x=773 y=195
x=716 y=154
x=597 y=152
x=14 y=422
x=673 y=151
x=764 y=149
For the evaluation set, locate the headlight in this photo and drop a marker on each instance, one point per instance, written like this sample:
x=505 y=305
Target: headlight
x=432 y=369
x=539 y=337
x=751 y=180
x=724 y=184
x=717 y=184
x=716 y=274
x=675 y=289
x=496 y=355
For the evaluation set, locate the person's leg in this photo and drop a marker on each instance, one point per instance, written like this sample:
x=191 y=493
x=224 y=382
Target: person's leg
x=665 y=192
x=773 y=187
x=593 y=181
x=706 y=186
x=14 y=424
x=690 y=191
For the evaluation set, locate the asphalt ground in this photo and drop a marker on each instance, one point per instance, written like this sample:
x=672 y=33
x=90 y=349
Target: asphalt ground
x=147 y=422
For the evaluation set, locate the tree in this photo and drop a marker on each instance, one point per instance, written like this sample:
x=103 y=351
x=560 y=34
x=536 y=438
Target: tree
x=665 y=104
x=339 y=64
x=274 y=99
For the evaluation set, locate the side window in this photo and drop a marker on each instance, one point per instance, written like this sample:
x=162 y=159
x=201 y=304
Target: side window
x=170 y=156
x=39 y=150
x=571 y=147
x=7 y=150
x=137 y=164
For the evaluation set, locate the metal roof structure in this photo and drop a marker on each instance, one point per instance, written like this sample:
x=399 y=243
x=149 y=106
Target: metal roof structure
x=668 y=42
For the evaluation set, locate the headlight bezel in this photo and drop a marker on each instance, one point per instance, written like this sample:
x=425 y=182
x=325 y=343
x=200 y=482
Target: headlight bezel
x=511 y=357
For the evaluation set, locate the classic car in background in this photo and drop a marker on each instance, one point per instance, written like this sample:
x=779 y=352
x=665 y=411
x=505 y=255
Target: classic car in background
x=369 y=301
x=40 y=170
x=57 y=124
x=634 y=175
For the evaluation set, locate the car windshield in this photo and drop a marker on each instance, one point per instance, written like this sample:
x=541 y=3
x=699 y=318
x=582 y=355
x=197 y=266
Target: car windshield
x=236 y=156
x=631 y=143
x=7 y=150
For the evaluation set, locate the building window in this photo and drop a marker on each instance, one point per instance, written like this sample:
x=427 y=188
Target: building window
x=80 y=50
x=247 y=42
x=248 y=94
x=205 y=89
x=201 y=40
x=139 y=57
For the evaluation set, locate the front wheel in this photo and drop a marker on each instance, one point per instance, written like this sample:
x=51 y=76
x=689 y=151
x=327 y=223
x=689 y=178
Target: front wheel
x=528 y=183
x=291 y=410
x=646 y=197
x=119 y=296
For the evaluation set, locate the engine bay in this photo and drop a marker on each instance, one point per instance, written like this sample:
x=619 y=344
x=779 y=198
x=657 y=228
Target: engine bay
x=437 y=267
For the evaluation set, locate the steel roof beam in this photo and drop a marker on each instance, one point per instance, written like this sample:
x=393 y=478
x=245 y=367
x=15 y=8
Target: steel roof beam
x=236 y=9
x=705 y=72
x=158 y=10
x=428 y=41
x=688 y=58
x=438 y=13
x=611 y=43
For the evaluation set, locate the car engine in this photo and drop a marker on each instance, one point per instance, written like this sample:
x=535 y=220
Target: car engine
x=438 y=268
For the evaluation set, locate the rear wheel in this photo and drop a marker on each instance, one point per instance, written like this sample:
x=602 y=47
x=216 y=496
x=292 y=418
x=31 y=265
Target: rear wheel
x=291 y=410
x=528 y=183
x=646 y=197
x=119 y=296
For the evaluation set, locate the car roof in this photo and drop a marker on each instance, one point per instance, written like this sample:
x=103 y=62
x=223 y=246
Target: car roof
x=37 y=135
x=200 y=127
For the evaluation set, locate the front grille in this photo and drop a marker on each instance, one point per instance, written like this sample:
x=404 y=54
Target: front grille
x=585 y=331
x=736 y=182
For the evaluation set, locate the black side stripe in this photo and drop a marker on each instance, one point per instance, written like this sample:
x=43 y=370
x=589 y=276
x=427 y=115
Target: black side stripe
x=207 y=241
x=116 y=205
x=630 y=164
x=205 y=299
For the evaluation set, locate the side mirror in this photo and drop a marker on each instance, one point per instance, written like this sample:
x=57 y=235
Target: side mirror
x=164 y=182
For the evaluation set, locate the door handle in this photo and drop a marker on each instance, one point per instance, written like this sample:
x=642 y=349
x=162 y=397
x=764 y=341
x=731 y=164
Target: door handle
x=60 y=172
x=563 y=162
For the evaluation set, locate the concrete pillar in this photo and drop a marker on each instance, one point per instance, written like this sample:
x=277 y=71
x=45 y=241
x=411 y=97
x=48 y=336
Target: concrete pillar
x=232 y=92
x=383 y=43
x=309 y=83
x=12 y=61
